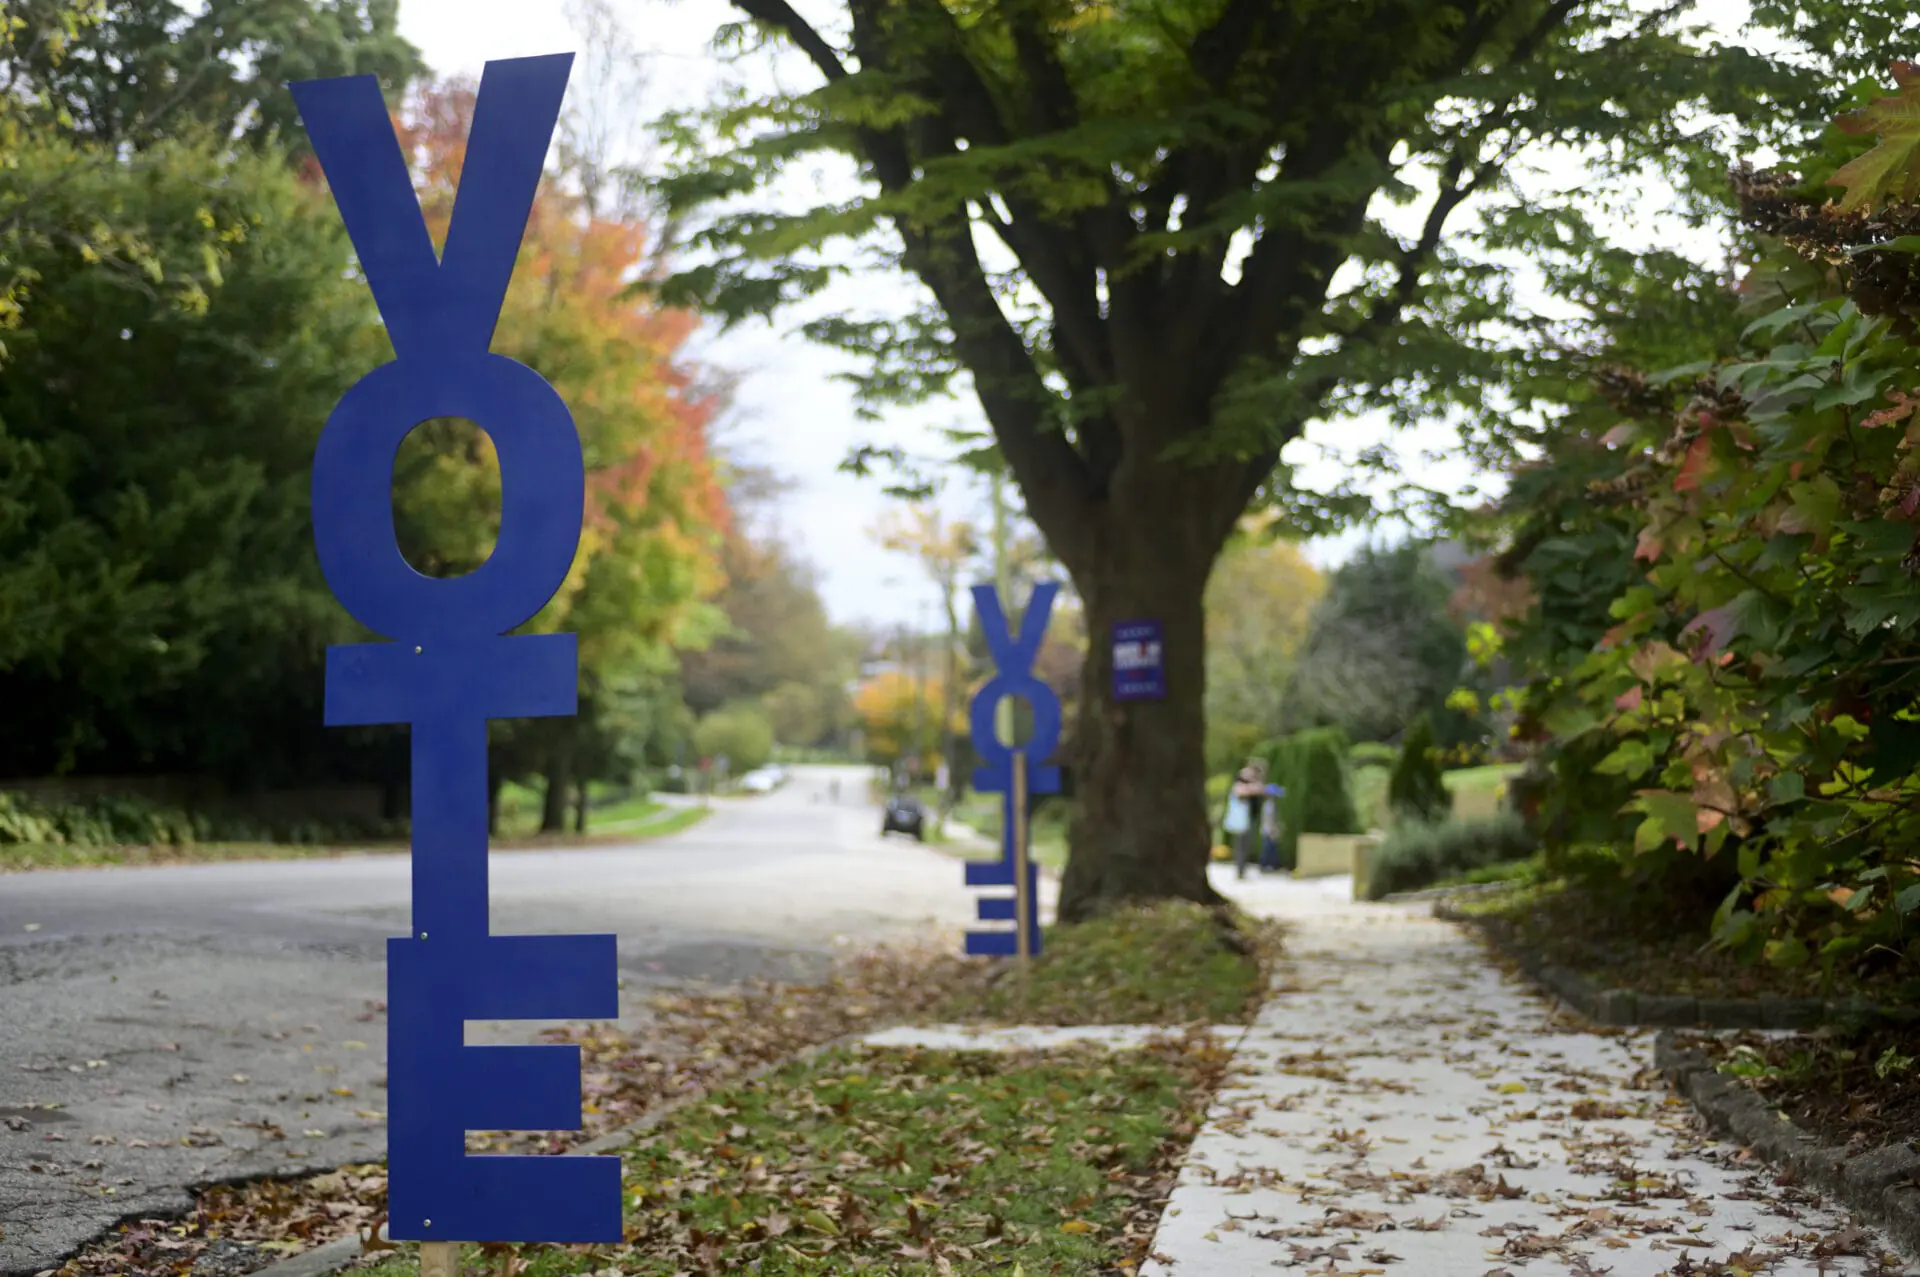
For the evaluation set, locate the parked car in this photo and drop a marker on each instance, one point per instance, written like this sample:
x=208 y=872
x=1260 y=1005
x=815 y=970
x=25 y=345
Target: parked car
x=904 y=815
x=762 y=780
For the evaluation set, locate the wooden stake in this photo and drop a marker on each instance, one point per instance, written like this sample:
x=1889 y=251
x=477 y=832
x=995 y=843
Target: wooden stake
x=1022 y=899
x=439 y=1259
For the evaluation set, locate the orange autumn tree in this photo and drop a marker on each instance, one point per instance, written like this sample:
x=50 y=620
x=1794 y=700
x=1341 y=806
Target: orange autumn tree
x=648 y=561
x=899 y=717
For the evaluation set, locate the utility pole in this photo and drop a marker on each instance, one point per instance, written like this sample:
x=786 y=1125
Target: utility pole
x=1003 y=585
x=920 y=688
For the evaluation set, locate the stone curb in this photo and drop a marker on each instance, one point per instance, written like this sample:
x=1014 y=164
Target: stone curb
x=1878 y=1185
x=1442 y=893
x=1627 y=1008
x=335 y=1255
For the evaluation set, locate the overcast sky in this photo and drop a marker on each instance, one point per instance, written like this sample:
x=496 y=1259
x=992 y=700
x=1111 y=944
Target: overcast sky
x=792 y=415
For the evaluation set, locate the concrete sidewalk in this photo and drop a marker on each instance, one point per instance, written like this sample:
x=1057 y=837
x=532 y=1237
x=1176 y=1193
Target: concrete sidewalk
x=1404 y=1107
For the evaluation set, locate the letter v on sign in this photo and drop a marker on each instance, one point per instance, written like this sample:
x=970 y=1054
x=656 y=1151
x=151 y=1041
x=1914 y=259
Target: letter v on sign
x=1014 y=655
x=438 y=307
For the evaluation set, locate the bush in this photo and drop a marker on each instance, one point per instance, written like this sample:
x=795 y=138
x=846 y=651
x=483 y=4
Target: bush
x=739 y=733
x=1326 y=789
x=1417 y=790
x=1417 y=854
x=1312 y=767
x=115 y=821
x=1372 y=753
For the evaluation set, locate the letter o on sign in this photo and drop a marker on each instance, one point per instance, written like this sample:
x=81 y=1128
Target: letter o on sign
x=542 y=490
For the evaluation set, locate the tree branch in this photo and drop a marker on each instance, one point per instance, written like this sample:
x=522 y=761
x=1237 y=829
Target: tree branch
x=939 y=250
x=1055 y=261
x=782 y=16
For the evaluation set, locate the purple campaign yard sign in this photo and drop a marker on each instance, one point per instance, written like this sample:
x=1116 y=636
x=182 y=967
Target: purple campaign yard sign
x=1139 y=673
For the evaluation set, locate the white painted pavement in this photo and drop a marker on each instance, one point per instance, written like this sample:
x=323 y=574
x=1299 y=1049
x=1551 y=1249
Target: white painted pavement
x=1029 y=1037
x=1402 y=1107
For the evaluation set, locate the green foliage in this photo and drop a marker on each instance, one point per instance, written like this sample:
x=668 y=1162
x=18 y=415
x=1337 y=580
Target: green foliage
x=26 y=821
x=159 y=602
x=137 y=72
x=1312 y=767
x=182 y=314
x=797 y=712
x=740 y=733
x=1127 y=223
x=1723 y=644
x=1890 y=171
x=1372 y=753
x=775 y=633
x=1416 y=853
x=1381 y=649
x=1258 y=602
x=1326 y=801
x=1416 y=791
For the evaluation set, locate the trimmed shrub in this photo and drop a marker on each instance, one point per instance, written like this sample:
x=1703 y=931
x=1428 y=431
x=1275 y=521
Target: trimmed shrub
x=1312 y=767
x=1416 y=854
x=1417 y=790
x=1326 y=788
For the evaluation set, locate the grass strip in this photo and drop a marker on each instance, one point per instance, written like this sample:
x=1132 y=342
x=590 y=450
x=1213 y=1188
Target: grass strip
x=906 y=1162
x=1173 y=963
x=21 y=857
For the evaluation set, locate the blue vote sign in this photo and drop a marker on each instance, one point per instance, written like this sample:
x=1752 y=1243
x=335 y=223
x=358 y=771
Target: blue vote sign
x=1013 y=656
x=451 y=665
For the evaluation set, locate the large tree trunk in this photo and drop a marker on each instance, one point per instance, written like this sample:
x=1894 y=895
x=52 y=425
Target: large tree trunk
x=1141 y=832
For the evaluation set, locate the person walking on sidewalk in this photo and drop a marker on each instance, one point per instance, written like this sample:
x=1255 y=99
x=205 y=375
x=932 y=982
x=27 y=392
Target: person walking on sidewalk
x=1244 y=803
x=1270 y=830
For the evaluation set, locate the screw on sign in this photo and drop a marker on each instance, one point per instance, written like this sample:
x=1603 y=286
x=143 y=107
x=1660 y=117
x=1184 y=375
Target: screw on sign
x=452 y=665
x=1009 y=770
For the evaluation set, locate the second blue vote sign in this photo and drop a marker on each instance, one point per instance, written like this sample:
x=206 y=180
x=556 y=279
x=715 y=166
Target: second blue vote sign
x=1013 y=657
x=451 y=663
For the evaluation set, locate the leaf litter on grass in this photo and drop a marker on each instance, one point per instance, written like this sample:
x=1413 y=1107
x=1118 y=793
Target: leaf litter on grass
x=913 y=1163
x=1171 y=963
x=1177 y=964
x=691 y=1041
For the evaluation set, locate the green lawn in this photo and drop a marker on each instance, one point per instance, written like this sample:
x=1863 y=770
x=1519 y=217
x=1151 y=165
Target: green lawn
x=906 y=1163
x=520 y=807
x=636 y=818
x=1173 y=963
x=1477 y=791
x=1047 y=835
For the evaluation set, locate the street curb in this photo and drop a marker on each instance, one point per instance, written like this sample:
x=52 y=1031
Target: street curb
x=1877 y=1185
x=1627 y=1008
x=335 y=1255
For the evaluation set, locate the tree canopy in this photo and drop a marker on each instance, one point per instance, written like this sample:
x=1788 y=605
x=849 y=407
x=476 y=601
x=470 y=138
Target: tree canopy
x=1156 y=242
x=1381 y=648
x=181 y=313
x=136 y=72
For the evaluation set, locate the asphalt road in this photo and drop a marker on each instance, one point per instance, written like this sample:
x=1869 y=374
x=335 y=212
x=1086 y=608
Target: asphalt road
x=161 y=1028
